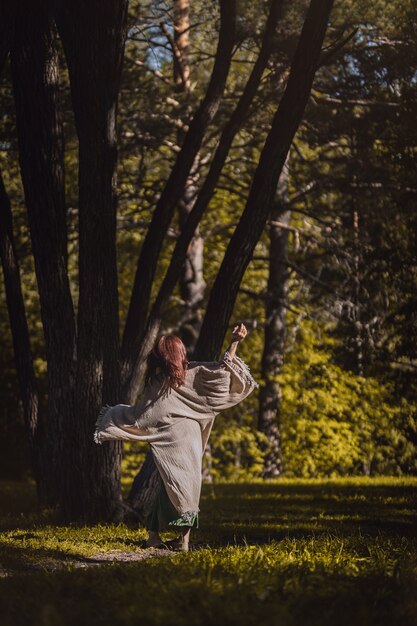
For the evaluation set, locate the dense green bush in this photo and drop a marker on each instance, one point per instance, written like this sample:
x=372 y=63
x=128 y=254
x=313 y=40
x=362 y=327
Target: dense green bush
x=336 y=423
x=237 y=453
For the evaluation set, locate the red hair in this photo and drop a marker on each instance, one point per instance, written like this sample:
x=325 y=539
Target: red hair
x=169 y=356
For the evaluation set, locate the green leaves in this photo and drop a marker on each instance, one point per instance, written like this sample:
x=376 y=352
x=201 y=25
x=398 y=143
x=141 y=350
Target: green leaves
x=336 y=423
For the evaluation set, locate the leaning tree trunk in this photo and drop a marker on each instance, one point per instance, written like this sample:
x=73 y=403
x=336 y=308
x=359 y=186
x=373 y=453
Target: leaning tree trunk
x=137 y=337
x=269 y=419
x=273 y=156
x=93 y=35
x=34 y=63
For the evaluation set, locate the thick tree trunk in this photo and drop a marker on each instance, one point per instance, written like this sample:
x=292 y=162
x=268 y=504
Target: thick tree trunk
x=35 y=82
x=269 y=420
x=273 y=156
x=22 y=350
x=93 y=36
x=34 y=424
x=171 y=194
x=8 y=11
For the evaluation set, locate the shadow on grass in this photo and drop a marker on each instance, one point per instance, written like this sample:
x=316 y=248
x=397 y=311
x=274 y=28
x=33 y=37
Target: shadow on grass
x=272 y=510
x=231 y=514
x=311 y=583
x=280 y=554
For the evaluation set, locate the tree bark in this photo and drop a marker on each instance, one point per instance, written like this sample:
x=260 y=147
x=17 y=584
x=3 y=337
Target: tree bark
x=273 y=156
x=93 y=35
x=181 y=69
x=22 y=351
x=7 y=25
x=34 y=423
x=171 y=194
x=192 y=284
x=269 y=419
x=35 y=83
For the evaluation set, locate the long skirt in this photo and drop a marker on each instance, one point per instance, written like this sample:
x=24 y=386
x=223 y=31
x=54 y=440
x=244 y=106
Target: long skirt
x=164 y=515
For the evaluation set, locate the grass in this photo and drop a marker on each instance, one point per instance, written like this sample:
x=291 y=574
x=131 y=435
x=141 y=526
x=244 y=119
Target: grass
x=287 y=552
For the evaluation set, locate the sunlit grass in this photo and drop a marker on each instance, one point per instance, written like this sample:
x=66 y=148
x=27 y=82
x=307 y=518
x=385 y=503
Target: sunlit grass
x=288 y=552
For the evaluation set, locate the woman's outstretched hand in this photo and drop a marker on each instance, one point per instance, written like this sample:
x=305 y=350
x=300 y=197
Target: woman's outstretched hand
x=239 y=332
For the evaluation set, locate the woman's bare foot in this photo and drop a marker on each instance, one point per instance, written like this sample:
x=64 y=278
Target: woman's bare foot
x=177 y=544
x=182 y=542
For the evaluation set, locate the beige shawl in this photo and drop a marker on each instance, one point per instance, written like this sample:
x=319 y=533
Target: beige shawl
x=177 y=422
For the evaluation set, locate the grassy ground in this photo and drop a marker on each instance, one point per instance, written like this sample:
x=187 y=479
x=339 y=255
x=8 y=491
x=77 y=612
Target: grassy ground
x=287 y=552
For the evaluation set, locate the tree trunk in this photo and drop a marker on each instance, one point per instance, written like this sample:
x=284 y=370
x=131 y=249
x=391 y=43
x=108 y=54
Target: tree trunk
x=8 y=11
x=35 y=82
x=21 y=344
x=181 y=69
x=93 y=35
x=34 y=424
x=269 y=420
x=192 y=284
x=273 y=156
x=171 y=194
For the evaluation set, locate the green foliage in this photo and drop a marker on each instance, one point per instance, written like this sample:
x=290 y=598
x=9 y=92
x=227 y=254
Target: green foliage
x=237 y=453
x=337 y=423
x=134 y=454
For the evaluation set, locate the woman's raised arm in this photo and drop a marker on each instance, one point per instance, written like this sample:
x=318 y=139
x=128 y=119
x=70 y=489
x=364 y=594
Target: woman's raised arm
x=238 y=334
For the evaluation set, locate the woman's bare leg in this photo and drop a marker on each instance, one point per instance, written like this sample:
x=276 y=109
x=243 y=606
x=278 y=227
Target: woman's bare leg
x=185 y=537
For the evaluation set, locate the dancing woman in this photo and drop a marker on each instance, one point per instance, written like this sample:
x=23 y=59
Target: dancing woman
x=175 y=416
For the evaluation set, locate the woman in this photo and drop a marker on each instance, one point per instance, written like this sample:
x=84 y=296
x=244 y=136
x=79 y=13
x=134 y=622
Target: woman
x=175 y=415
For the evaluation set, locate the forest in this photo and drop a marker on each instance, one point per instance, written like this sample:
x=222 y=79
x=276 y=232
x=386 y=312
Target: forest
x=175 y=167
x=169 y=171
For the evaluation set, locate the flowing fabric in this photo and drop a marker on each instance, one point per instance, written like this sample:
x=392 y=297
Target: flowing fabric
x=164 y=516
x=177 y=423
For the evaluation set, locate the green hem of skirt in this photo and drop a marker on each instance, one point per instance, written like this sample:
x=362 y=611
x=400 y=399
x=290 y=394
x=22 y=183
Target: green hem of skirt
x=164 y=516
x=188 y=519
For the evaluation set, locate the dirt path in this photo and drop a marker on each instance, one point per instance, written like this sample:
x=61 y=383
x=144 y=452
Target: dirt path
x=98 y=559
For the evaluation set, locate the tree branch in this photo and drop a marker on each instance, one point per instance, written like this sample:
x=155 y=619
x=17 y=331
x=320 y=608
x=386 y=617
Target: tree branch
x=284 y=126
